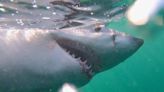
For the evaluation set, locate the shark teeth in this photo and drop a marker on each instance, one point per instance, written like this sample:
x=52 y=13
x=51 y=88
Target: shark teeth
x=91 y=73
x=83 y=62
x=86 y=67
x=78 y=59
x=73 y=55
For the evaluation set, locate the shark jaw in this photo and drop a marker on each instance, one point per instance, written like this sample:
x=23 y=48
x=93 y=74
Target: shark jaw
x=33 y=60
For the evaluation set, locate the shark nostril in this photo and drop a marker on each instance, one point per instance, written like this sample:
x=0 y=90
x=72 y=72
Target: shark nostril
x=113 y=39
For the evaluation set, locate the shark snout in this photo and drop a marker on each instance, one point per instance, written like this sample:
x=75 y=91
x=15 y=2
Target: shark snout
x=127 y=44
x=138 y=41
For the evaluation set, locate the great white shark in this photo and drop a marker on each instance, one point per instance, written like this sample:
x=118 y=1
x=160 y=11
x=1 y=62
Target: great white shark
x=36 y=60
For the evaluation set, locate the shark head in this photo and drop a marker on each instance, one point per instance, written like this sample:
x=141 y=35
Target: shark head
x=97 y=51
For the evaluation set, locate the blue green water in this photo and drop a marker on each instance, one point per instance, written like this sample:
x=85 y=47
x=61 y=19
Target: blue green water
x=142 y=72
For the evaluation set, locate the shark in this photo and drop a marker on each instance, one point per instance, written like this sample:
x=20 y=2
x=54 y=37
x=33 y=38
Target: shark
x=37 y=60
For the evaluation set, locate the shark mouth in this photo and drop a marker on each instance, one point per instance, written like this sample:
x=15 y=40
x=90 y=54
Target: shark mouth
x=78 y=52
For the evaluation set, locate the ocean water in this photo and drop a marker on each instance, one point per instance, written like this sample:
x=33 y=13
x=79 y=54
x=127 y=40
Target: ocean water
x=142 y=72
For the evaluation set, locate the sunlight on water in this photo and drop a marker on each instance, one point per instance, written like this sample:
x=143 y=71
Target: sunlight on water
x=43 y=14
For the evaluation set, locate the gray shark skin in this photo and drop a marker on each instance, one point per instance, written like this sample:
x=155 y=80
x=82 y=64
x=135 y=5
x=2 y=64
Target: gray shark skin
x=35 y=60
x=76 y=6
x=65 y=2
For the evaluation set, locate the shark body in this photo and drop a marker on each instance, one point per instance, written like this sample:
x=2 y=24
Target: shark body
x=36 y=60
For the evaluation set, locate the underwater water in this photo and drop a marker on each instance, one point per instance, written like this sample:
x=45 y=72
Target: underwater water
x=142 y=72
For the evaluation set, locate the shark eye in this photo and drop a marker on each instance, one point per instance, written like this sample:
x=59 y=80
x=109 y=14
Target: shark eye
x=98 y=29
